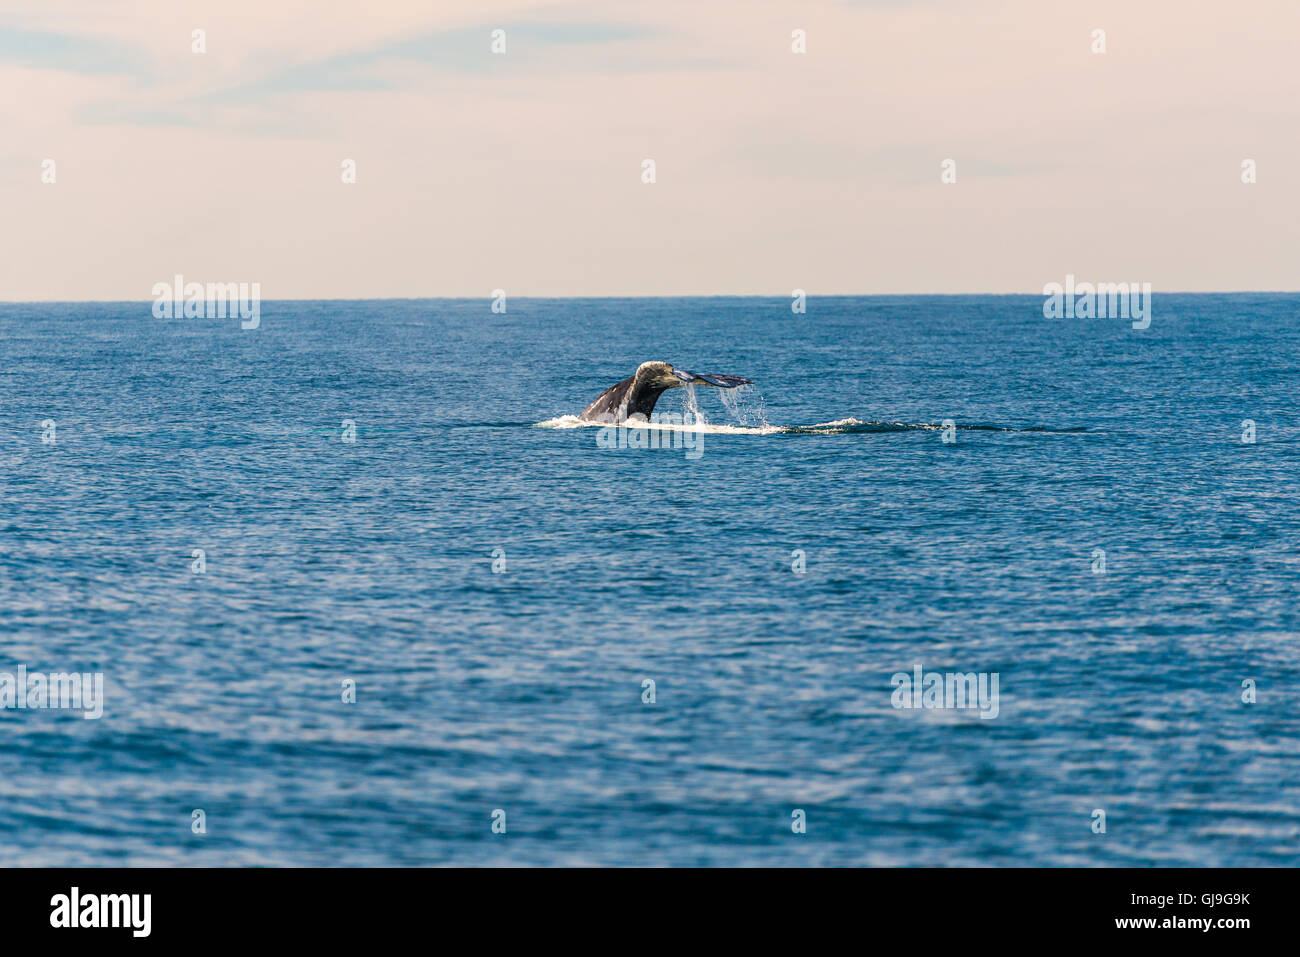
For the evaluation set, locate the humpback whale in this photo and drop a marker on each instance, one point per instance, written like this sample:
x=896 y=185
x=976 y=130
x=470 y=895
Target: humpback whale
x=638 y=394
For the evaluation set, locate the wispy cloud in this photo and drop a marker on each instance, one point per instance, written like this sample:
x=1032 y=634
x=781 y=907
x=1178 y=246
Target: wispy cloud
x=462 y=52
x=72 y=53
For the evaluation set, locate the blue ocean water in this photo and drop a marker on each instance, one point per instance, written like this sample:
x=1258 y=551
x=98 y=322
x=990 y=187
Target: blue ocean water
x=372 y=561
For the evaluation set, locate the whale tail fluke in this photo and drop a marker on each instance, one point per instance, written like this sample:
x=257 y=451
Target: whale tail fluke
x=712 y=378
x=638 y=395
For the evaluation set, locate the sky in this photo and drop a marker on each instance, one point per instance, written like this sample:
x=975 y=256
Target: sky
x=523 y=171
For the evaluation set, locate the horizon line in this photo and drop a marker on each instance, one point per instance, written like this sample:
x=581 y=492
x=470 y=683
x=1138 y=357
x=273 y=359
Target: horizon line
x=747 y=295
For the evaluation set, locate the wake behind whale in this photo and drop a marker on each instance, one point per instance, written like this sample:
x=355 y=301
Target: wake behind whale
x=631 y=403
x=848 y=425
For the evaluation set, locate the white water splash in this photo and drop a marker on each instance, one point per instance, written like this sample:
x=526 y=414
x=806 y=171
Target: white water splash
x=691 y=405
x=746 y=406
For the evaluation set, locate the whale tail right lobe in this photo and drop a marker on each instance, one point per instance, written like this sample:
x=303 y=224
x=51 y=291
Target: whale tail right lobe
x=712 y=378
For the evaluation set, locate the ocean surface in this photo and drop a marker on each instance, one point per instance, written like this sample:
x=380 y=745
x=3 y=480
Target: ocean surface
x=520 y=688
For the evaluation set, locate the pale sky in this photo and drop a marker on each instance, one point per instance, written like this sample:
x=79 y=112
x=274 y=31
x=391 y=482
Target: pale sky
x=523 y=171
